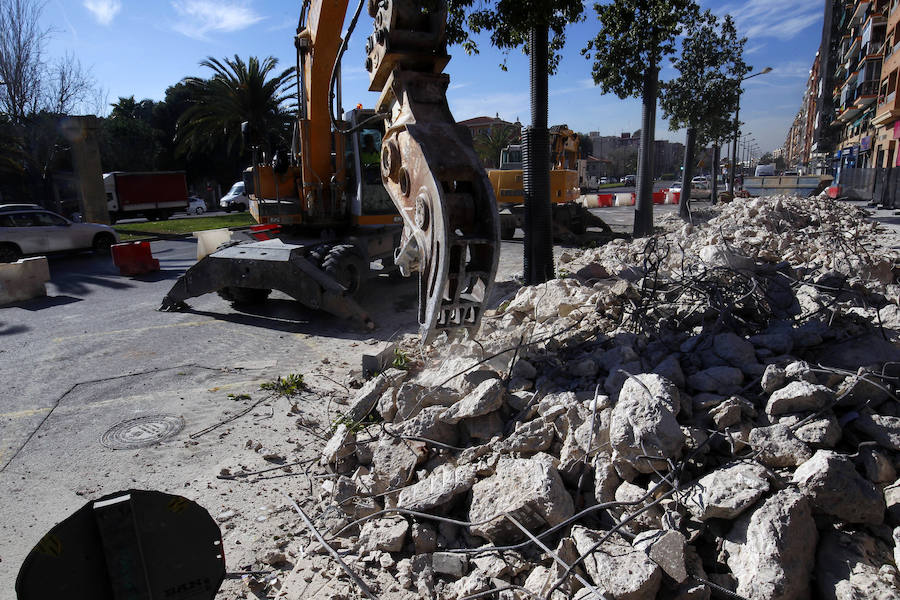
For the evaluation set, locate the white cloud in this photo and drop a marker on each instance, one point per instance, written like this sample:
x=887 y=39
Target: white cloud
x=197 y=18
x=774 y=18
x=103 y=10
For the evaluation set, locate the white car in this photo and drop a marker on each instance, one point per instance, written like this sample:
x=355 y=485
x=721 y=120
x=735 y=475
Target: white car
x=196 y=205
x=235 y=199
x=29 y=229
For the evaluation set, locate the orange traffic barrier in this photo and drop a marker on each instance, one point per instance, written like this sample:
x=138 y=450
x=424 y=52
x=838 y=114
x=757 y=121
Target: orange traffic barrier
x=659 y=197
x=134 y=258
x=834 y=191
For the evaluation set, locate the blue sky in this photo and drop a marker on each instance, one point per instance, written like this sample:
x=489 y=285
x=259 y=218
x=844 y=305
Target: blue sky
x=140 y=47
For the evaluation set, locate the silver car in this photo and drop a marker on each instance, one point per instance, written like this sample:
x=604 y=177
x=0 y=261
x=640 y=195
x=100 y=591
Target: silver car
x=29 y=229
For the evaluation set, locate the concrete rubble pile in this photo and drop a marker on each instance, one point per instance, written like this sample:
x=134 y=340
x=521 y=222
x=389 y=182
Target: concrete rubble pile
x=709 y=412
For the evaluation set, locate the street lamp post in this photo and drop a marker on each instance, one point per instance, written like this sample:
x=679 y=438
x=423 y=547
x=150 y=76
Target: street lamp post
x=737 y=125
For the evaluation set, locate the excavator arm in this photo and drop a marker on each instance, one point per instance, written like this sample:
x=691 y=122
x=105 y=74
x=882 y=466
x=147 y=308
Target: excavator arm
x=428 y=165
x=451 y=231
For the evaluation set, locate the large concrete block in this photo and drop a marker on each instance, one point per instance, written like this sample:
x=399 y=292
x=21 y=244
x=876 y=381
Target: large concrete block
x=24 y=279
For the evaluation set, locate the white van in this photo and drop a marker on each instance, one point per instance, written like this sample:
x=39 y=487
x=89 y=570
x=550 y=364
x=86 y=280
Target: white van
x=765 y=170
x=235 y=199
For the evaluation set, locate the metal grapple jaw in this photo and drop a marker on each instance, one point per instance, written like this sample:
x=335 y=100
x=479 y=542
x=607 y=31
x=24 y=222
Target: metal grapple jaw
x=451 y=228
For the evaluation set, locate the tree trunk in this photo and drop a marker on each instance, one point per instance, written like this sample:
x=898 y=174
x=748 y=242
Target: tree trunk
x=538 y=258
x=687 y=173
x=643 y=214
x=714 y=186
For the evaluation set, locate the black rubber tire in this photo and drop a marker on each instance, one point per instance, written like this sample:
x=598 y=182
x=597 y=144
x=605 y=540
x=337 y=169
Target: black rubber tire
x=318 y=254
x=345 y=265
x=163 y=215
x=244 y=295
x=9 y=253
x=103 y=242
x=507 y=231
x=241 y=207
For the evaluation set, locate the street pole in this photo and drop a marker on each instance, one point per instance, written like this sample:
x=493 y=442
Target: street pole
x=737 y=126
x=538 y=244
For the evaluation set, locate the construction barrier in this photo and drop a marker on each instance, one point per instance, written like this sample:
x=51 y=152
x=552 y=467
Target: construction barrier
x=672 y=197
x=659 y=197
x=134 y=258
x=626 y=199
x=834 y=192
x=209 y=240
x=24 y=279
x=597 y=200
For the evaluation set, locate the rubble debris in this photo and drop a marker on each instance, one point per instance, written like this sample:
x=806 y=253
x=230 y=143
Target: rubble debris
x=694 y=414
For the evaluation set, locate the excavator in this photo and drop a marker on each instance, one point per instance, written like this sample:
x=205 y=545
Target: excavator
x=570 y=219
x=400 y=183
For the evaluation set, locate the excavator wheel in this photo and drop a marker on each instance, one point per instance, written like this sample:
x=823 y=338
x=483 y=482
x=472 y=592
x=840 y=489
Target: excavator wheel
x=244 y=295
x=346 y=266
x=318 y=254
x=507 y=227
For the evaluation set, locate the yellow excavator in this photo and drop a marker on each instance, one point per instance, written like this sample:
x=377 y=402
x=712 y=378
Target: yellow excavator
x=400 y=183
x=569 y=217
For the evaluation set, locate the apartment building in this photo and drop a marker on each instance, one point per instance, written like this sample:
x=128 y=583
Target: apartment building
x=887 y=110
x=858 y=75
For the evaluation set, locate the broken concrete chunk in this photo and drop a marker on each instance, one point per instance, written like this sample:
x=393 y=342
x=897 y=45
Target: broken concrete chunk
x=450 y=563
x=583 y=368
x=824 y=432
x=665 y=548
x=340 y=446
x=484 y=399
x=884 y=430
x=726 y=414
x=723 y=380
x=394 y=462
x=852 y=565
x=637 y=501
x=524 y=369
x=606 y=479
x=368 y=395
x=411 y=398
x=643 y=423
x=424 y=538
x=892 y=502
x=734 y=350
x=727 y=492
x=778 y=343
x=531 y=491
x=835 y=488
x=771 y=550
x=670 y=368
x=779 y=447
x=429 y=425
x=617 y=569
x=386 y=534
x=773 y=378
x=484 y=427
x=534 y=436
x=798 y=396
x=438 y=488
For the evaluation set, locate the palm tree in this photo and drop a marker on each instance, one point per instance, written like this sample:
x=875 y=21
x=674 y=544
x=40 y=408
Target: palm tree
x=237 y=92
x=489 y=143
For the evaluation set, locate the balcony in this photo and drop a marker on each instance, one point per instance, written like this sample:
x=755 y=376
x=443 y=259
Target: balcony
x=867 y=92
x=852 y=48
x=871 y=49
x=860 y=11
x=887 y=111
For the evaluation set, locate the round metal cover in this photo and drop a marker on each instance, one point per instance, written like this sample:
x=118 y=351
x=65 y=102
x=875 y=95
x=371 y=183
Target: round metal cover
x=142 y=431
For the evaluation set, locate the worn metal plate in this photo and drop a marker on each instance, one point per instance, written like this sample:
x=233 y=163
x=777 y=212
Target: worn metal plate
x=142 y=432
x=134 y=545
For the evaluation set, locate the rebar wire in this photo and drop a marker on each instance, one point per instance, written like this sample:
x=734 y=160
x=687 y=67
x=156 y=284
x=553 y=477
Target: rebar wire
x=552 y=554
x=334 y=553
x=235 y=417
x=243 y=474
x=517 y=588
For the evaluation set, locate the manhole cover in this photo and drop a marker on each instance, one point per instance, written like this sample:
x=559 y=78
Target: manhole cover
x=142 y=431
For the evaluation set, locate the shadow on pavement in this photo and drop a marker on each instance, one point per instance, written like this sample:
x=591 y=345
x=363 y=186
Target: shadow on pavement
x=12 y=329
x=36 y=304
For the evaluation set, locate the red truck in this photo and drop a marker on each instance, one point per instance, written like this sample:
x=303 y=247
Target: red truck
x=155 y=196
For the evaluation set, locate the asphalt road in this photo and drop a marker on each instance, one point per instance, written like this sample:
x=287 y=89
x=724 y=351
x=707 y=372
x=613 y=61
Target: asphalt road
x=95 y=352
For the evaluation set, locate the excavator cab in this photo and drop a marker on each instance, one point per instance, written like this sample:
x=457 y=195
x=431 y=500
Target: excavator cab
x=370 y=203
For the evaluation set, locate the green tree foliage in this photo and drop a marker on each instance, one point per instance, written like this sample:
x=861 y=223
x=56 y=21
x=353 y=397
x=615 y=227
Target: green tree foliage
x=237 y=92
x=710 y=67
x=488 y=144
x=129 y=141
x=509 y=21
x=634 y=37
x=706 y=92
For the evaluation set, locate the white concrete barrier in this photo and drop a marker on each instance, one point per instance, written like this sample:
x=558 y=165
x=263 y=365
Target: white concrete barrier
x=624 y=199
x=24 y=280
x=209 y=240
x=590 y=201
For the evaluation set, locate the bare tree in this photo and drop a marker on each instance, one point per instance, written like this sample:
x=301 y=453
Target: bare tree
x=69 y=86
x=22 y=66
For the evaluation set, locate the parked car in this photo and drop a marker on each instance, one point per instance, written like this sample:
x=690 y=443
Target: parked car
x=628 y=180
x=791 y=173
x=196 y=205
x=29 y=229
x=235 y=199
x=675 y=187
